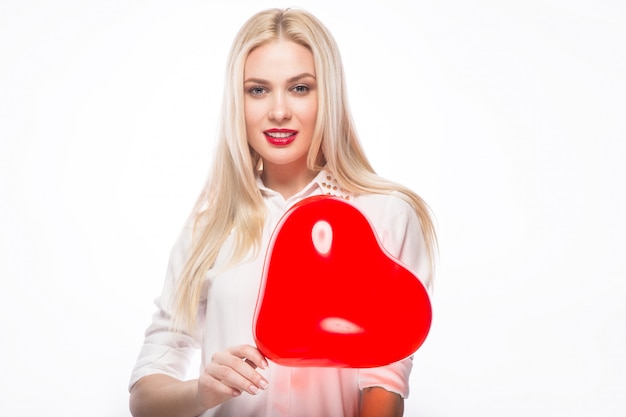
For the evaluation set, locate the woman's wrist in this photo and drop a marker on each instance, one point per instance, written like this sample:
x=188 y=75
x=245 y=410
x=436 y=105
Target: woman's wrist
x=194 y=399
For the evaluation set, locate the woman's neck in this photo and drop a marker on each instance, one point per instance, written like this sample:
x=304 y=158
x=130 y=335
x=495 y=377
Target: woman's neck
x=286 y=181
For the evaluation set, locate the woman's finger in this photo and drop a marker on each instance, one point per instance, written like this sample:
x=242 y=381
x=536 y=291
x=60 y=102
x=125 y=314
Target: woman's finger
x=236 y=371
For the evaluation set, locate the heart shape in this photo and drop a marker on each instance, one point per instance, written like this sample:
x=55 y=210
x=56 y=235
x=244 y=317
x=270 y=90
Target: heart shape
x=332 y=296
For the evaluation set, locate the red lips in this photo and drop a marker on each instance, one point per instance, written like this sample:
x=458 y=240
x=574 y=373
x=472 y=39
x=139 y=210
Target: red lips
x=280 y=137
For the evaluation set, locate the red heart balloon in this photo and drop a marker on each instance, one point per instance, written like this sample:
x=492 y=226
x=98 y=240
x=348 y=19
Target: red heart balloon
x=332 y=296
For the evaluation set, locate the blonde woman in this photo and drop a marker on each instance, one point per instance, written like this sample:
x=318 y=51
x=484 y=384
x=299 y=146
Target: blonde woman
x=286 y=134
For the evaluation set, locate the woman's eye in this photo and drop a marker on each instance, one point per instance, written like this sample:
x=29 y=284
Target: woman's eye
x=256 y=91
x=300 y=89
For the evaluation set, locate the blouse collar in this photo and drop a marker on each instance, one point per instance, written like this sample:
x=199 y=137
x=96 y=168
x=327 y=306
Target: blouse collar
x=329 y=185
x=324 y=183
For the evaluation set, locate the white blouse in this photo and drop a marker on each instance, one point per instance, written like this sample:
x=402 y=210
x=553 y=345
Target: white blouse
x=228 y=304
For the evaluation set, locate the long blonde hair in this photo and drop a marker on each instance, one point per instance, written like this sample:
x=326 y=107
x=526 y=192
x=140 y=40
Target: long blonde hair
x=231 y=200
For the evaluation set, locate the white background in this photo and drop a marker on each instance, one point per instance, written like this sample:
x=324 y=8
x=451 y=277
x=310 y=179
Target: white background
x=508 y=117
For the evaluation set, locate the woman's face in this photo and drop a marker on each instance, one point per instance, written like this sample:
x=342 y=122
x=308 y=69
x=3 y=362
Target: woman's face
x=280 y=103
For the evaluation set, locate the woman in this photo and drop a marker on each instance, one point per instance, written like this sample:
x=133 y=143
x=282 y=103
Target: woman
x=285 y=134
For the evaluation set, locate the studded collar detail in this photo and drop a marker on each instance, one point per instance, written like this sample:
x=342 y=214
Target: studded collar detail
x=330 y=186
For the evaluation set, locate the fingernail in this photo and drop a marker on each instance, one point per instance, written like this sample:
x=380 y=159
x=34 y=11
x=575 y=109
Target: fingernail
x=253 y=389
x=264 y=384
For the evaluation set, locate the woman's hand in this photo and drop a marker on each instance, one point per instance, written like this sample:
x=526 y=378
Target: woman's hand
x=227 y=375
x=230 y=373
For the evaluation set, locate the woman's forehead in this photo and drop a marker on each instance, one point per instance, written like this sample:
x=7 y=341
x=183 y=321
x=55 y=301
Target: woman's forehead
x=279 y=59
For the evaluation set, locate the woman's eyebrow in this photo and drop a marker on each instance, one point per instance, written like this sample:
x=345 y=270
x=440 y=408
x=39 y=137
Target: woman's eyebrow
x=256 y=81
x=301 y=76
x=290 y=80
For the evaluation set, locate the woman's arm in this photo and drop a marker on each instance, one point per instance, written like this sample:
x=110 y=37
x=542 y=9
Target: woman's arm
x=378 y=402
x=228 y=375
x=161 y=395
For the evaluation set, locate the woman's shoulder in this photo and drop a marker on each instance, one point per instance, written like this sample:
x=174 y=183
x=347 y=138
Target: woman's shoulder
x=389 y=214
x=389 y=204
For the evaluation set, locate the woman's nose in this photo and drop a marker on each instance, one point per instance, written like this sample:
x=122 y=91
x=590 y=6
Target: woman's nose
x=280 y=109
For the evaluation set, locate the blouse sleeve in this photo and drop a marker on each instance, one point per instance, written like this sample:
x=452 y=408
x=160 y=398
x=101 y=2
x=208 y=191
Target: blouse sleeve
x=165 y=350
x=400 y=233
